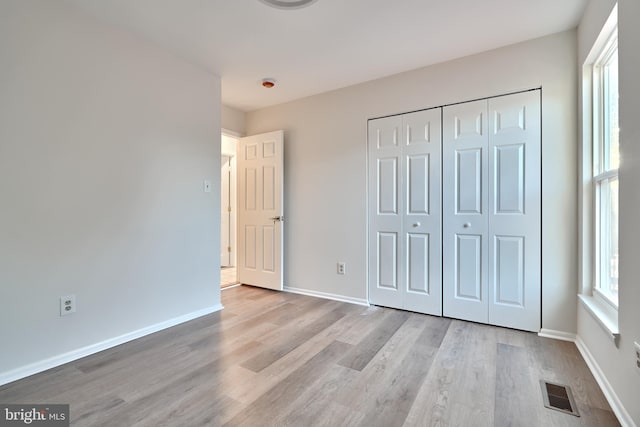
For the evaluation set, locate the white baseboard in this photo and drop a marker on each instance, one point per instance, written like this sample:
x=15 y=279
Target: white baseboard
x=616 y=405
x=557 y=335
x=61 y=359
x=326 y=295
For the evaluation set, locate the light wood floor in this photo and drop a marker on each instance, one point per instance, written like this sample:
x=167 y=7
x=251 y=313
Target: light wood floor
x=278 y=359
x=228 y=277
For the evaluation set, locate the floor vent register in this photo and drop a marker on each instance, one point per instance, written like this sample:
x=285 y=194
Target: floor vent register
x=558 y=397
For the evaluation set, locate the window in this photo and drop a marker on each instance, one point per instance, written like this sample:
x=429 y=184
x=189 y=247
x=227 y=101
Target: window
x=606 y=160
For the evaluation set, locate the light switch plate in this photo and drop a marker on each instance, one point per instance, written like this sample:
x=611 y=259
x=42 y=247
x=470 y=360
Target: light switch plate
x=206 y=186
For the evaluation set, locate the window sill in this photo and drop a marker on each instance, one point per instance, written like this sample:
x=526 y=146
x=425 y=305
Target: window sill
x=604 y=314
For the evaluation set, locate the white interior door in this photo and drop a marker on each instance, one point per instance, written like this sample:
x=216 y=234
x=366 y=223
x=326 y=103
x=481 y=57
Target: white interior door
x=260 y=210
x=514 y=211
x=404 y=205
x=465 y=213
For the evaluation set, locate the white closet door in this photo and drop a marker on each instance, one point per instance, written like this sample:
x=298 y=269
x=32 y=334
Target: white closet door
x=514 y=211
x=405 y=244
x=465 y=211
x=385 y=211
x=422 y=263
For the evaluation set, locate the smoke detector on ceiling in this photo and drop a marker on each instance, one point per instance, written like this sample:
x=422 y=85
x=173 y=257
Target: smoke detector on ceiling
x=288 y=4
x=268 y=83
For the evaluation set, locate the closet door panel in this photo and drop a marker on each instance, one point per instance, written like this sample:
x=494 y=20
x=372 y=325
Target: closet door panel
x=422 y=283
x=514 y=217
x=465 y=211
x=468 y=268
x=468 y=181
x=386 y=205
x=418 y=264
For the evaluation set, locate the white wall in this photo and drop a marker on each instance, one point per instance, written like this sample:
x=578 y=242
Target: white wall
x=104 y=144
x=617 y=364
x=629 y=314
x=233 y=120
x=325 y=163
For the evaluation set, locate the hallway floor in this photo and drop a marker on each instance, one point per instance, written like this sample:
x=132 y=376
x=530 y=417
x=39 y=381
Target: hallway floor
x=228 y=277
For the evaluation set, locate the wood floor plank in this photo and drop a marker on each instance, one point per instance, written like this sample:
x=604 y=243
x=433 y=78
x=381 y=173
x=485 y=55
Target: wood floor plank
x=276 y=372
x=402 y=389
x=367 y=320
x=278 y=350
x=151 y=343
x=87 y=413
x=412 y=370
x=517 y=401
x=459 y=388
x=435 y=330
x=361 y=354
x=42 y=386
x=277 y=315
x=383 y=382
x=306 y=316
x=169 y=400
x=289 y=389
x=136 y=377
x=317 y=403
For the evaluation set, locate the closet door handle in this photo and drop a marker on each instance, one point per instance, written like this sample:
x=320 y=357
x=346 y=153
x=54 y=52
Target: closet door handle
x=467 y=225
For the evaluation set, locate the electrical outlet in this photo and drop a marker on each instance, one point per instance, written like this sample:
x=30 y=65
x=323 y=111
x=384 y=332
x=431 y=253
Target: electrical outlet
x=67 y=305
x=341 y=268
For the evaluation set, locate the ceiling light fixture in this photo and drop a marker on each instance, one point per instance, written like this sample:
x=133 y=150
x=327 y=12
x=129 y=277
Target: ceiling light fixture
x=288 y=4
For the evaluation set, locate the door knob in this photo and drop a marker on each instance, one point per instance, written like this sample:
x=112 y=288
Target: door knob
x=416 y=224
x=466 y=225
x=277 y=218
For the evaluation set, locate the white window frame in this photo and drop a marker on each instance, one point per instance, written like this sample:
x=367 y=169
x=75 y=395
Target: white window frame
x=601 y=174
x=593 y=300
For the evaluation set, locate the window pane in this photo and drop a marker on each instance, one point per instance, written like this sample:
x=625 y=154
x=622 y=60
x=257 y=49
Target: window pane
x=611 y=145
x=608 y=238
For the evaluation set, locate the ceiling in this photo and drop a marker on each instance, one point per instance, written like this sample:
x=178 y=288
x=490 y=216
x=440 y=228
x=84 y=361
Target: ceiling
x=332 y=43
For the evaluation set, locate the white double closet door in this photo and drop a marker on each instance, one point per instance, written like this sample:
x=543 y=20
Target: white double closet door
x=474 y=252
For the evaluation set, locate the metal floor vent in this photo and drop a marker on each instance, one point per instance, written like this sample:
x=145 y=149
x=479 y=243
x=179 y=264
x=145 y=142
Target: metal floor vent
x=558 y=397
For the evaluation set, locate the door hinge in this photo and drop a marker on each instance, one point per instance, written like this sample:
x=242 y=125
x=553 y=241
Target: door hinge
x=229 y=209
x=228 y=248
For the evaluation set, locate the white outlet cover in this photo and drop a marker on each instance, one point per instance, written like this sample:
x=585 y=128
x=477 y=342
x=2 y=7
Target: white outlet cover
x=67 y=305
x=206 y=186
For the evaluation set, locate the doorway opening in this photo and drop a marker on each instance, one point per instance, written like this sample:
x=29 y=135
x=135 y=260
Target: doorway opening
x=252 y=195
x=228 y=214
